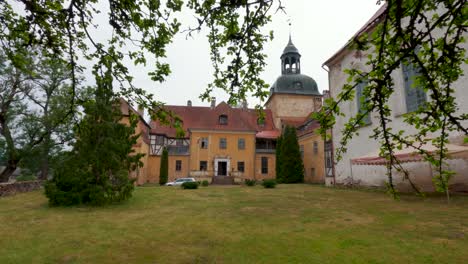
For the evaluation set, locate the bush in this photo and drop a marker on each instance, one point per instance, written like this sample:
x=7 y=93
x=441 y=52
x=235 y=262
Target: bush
x=72 y=185
x=271 y=183
x=189 y=185
x=205 y=183
x=250 y=182
x=26 y=177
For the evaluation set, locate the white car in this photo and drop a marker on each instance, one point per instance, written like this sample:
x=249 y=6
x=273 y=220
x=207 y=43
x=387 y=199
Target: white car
x=180 y=181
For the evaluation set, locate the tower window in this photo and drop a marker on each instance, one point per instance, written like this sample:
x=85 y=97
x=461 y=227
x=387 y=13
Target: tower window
x=223 y=120
x=298 y=85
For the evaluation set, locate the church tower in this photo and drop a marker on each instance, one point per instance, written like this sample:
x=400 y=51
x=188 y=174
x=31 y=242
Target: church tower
x=293 y=96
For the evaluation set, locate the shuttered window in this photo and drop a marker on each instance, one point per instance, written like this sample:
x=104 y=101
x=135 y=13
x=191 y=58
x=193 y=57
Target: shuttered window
x=414 y=95
x=359 y=98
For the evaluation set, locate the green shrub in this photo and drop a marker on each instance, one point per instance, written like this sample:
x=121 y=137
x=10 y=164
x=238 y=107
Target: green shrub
x=250 y=182
x=205 y=183
x=189 y=185
x=26 y=177
x=270 y=183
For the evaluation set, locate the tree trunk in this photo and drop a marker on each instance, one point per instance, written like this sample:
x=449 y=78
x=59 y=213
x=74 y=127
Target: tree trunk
x=13 y=155
x=9 y=170
x=45 y=155
x=44 y=168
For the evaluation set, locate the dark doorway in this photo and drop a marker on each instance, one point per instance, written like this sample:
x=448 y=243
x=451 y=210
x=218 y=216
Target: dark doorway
x=222 y=168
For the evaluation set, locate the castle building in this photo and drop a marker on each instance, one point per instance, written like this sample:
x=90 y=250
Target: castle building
x=225 y=144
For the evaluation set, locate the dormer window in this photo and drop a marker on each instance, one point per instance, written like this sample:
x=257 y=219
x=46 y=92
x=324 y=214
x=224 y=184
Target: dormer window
x=223 y=120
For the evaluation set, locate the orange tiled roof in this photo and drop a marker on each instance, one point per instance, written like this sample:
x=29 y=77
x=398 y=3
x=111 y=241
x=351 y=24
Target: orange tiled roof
x=207 y=118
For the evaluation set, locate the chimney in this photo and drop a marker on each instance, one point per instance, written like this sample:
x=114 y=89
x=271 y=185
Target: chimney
x=189 y=103
x=213 y=102
x=244 y=104
x=141 y=110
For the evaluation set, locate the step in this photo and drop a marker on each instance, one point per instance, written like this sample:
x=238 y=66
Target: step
x=222 y=180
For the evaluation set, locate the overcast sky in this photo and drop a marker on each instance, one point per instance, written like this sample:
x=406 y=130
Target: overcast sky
x=319 y=29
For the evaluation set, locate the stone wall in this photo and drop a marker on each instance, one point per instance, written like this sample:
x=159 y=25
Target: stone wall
x=7 y=189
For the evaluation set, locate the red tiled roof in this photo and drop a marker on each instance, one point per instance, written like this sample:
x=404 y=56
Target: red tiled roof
x=207 y=118
x=269 y=134
x=310 y=126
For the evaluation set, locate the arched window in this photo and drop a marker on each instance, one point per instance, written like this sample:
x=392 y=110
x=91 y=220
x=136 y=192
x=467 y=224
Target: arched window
x=223 y=119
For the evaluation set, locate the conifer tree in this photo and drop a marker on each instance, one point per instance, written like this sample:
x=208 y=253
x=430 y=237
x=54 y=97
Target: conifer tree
x=279 y=177
x=97 y=170
x=164 y=168
x=292 y=168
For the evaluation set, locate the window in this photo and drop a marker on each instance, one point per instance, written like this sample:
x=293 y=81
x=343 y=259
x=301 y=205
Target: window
x=359 y=97
x=302 y=151
x=157 y=140
x=297 y=85
x=315 y=147
x=240 y=166
x=241 y=143
x=204 y=143
x=223 y=119
x=178 y=165
x=222 y=143
x=264 y=165
x=312 y=172
x=203 y=165
x=414 y=95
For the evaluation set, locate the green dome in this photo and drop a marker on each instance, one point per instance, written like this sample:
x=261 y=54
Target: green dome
x=295 y=84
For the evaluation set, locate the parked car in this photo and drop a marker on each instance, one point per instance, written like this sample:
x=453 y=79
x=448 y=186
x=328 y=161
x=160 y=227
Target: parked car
x=180 y=181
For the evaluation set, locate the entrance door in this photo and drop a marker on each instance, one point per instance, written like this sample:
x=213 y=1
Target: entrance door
x=222 y=168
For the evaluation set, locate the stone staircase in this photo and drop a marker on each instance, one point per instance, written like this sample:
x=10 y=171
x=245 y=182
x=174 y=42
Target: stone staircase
x=223 y=180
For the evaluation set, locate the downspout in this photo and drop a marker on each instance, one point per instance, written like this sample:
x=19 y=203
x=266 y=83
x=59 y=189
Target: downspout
x=331 y=129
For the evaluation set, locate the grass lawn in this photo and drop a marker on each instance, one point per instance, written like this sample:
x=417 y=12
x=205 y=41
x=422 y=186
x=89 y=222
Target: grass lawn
x=289 y=224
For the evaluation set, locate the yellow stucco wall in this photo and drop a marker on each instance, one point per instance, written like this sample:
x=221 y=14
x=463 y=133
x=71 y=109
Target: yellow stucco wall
x=271 y=166
x=232 y=153
x=141 y=174
x=313 y=161
x=154 y=163
x=173 y=173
